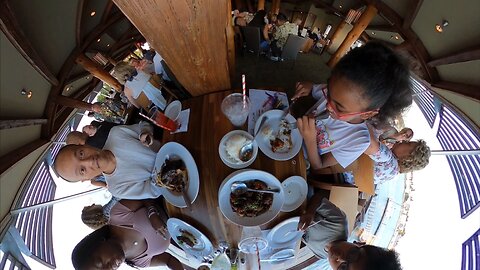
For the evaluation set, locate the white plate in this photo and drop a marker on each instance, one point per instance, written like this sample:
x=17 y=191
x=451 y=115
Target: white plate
x=244 y=175
x=223 y=152
x=274 y=121
x=278 y=237
x=295 y=189
x=173 y=110
x=203 y=248
x=173 y=150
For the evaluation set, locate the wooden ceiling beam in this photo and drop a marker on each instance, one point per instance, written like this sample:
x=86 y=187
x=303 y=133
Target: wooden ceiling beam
x=382 y=27
x=416 y=45
x=11 y=28
x=469 y=54
x=412 y=11
x=7 y=124
x=12 y=157
x=107 y=11
x=78 y=22
x=322 y=5
x=468 y=90
x=47 y=130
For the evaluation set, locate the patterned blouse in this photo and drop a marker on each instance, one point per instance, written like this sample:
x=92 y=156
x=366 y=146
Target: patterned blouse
x=386 y=166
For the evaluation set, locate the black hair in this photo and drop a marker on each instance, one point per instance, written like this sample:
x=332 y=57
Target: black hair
x=87 y=247
x=235 y=21
x=258 y=19
x=91 y=114
x=377 y=258
x=384 y=77
x=281 y=17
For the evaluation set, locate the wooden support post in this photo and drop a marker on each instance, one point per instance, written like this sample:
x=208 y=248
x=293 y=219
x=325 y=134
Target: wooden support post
x=337 y=32
x=362 y=23
x=73 y=103
x=275 y=6
x=6 y=124
x=97 y=71
x=250 y=6
x=261 y=5
x=196 y=49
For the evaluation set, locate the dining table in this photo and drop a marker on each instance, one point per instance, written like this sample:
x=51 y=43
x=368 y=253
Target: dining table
x=207 y=125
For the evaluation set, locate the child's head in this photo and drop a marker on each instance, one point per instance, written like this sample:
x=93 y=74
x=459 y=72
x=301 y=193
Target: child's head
x=412 y=155
x=76 y=137
x=90 y=130
x=93 y=216
x=375 y=79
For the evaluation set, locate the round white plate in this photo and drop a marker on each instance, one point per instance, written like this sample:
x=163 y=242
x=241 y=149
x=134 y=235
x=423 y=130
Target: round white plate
x=282 y=256
x=279 y=237
x=274 y=122
x=173 y=110
x=245 y=175
x=176 y=150
x=295 y=189
x=223 y=152
x=203 y=248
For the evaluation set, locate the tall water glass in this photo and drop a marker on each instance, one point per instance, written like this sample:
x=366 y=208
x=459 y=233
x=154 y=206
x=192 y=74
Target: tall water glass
x=236 y=107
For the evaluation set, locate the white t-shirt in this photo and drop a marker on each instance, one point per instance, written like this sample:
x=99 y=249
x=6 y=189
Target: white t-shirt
x=346 y=141
x=132 y=176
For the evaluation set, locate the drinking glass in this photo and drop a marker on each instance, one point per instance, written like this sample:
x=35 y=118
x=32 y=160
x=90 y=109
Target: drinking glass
x=252 y=240
x=236 y=107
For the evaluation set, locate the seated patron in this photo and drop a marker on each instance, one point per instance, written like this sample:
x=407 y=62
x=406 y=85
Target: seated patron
x=126 y=161
x=135 y=234
x=392 y=136
x=328 y=240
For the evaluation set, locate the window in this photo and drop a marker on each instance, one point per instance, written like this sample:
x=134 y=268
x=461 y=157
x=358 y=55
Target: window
x=425 y=100
x=470 y=252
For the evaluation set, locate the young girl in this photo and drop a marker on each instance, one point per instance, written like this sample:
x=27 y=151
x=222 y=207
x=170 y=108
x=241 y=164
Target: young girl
x=369 y=83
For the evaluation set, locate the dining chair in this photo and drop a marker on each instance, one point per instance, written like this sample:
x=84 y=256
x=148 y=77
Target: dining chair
x=292 y=47
x=252 y=39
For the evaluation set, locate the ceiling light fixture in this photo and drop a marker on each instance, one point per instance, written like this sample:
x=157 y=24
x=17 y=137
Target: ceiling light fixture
x=373 y=33
x=98 y=40
x=92 y=13
x=396 y=37
x=340 y=6
x=108 y=45
x=440 y=27
x=27 y=93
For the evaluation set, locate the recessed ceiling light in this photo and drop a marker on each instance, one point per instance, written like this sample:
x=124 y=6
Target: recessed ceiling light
x=440 y=27
x=88 y=77
x=340 y=6
x=27 y=93
x=396 y=37
x=98 y=40
x=108 y=45
x=92 y=13
x=373 y=33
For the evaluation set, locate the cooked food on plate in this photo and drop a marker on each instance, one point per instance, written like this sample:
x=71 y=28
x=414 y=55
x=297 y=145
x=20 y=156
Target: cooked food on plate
x=186 y=238
x=250 y=203
x=281 y=142
x=173 y=175
x=233 y=145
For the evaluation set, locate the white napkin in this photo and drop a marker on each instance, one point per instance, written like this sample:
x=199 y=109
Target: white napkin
x=182 y=121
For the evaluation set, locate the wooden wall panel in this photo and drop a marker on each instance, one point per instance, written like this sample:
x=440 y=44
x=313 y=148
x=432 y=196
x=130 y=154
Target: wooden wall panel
x=189 y=35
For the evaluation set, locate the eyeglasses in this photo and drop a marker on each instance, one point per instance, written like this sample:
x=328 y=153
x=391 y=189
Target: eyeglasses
x=334 y=111
x=353 y=255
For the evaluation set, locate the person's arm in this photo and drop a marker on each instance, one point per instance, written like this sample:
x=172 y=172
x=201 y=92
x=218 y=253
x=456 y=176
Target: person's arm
x=152 y=213
x=308 y=130
x=128 y=94
x=168 y=260
x=309 y=213
x=374 y=143
x=266 y=28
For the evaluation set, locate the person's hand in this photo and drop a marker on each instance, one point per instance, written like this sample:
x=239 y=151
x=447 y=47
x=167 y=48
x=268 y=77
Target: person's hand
x=308 y=130
x=96 y=108
x=302 y=89
x=159 y=226
x=305 y=221
x=146 y=138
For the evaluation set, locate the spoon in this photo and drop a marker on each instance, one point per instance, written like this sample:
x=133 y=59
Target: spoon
x=245 y=153
x=239 y=188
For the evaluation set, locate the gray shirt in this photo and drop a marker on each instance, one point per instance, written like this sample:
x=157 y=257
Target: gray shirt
x=333 y=226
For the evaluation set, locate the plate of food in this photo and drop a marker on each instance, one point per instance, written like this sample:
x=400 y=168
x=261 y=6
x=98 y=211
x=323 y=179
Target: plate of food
x=277 y=139
x=295 y=189
x=189 y=238
x=229 y=149
x=284 y=234
x=175 y=169
x=250 y=208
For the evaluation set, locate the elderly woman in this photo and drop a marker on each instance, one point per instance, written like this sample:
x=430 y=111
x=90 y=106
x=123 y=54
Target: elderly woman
x=126 y=161
x=392 y=136
x=135 y=234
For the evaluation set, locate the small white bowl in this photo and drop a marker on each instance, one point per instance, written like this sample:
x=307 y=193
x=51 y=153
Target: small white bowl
x=222 y=151
x=173 y=110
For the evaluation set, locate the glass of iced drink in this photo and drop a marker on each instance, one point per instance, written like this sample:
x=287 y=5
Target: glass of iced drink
x=236 y=107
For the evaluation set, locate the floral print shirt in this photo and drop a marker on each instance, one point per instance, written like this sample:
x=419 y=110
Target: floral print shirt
x=386 y=165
